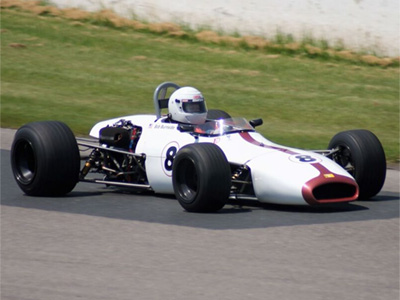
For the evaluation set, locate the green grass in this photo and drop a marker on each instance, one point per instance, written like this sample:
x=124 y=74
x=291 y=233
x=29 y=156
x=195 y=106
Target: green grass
x=52 y=68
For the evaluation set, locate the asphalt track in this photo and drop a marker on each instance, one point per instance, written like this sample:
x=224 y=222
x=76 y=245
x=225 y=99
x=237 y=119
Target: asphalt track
x=102 y=243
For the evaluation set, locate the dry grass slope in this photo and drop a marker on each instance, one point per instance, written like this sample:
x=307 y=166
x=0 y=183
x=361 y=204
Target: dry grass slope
x=109 y=18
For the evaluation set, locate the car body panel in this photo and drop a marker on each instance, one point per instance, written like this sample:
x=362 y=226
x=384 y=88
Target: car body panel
x=279 y=174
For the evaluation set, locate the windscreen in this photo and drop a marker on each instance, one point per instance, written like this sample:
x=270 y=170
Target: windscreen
x=223 y=126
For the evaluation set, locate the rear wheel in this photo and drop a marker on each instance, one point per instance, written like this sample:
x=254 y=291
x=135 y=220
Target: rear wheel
x=362 y=155
x=45 y=159
x=201 y=177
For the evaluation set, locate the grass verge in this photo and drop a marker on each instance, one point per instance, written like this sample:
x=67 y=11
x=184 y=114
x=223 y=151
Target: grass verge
x=281 y=43
x=80 y=73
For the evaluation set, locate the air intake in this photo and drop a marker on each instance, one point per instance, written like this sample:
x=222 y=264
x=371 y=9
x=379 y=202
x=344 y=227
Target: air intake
x=335 y=190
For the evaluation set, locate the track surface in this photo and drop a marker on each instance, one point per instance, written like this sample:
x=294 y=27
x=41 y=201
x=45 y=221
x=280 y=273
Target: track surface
x=100 y=243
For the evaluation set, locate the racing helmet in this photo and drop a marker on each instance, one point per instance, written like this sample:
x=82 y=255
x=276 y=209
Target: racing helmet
x=187 y=105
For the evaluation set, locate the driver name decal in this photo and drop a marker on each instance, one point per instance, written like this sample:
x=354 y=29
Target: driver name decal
x=165 y=126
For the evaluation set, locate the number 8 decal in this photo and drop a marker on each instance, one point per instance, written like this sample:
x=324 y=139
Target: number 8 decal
x=171 y=152
x=304 y=158
x=167 y=157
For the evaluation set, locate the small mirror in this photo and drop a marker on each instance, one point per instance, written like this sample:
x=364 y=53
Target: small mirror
x=256 y=122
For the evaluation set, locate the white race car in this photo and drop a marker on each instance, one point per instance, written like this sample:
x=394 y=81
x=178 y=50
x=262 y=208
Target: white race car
x=203 y=165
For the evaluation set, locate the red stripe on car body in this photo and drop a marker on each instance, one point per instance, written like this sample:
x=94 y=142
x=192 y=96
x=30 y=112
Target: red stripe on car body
x=325 y=177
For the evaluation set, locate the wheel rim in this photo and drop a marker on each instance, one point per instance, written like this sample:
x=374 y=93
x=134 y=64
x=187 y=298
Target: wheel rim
x=187 y=180
x=345 y=159
x=24 y=162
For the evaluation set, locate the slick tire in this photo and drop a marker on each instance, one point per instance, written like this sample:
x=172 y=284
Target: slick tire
x=362 y=154
x=45 y=159
x=201 y=177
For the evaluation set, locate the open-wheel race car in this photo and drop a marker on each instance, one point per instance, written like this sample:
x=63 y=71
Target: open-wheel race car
x=203 y=164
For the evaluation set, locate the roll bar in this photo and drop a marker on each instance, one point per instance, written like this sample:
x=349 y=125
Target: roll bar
x=160 y=93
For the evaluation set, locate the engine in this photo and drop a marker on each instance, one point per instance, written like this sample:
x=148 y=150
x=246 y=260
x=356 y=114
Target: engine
x=116 y=157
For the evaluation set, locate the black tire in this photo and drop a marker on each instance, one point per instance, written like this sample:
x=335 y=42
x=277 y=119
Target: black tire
x=361 y=153
x=45 y=159
x=217 y=114
x=201 y=177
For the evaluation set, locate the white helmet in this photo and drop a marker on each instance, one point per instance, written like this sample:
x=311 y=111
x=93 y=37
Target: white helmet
x=187 y=105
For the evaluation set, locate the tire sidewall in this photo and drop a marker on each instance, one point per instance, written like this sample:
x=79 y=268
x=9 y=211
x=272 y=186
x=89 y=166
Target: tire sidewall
x=56 y=158
x=368 y=158
x=24 y=135
x=186 y=156
x=213 y=177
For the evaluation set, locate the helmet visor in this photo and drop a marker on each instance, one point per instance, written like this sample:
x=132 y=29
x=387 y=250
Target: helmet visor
x=197 y=107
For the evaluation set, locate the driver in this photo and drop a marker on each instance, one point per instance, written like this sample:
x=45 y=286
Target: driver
x=187 y=105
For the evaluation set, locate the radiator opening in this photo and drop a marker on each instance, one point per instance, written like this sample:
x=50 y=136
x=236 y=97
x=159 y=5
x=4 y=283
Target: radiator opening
x=334 y=191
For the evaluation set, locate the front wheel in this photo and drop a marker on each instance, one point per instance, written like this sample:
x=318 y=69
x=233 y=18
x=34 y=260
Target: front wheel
x=45 y=159
x=362 y=155
x=201 y=177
